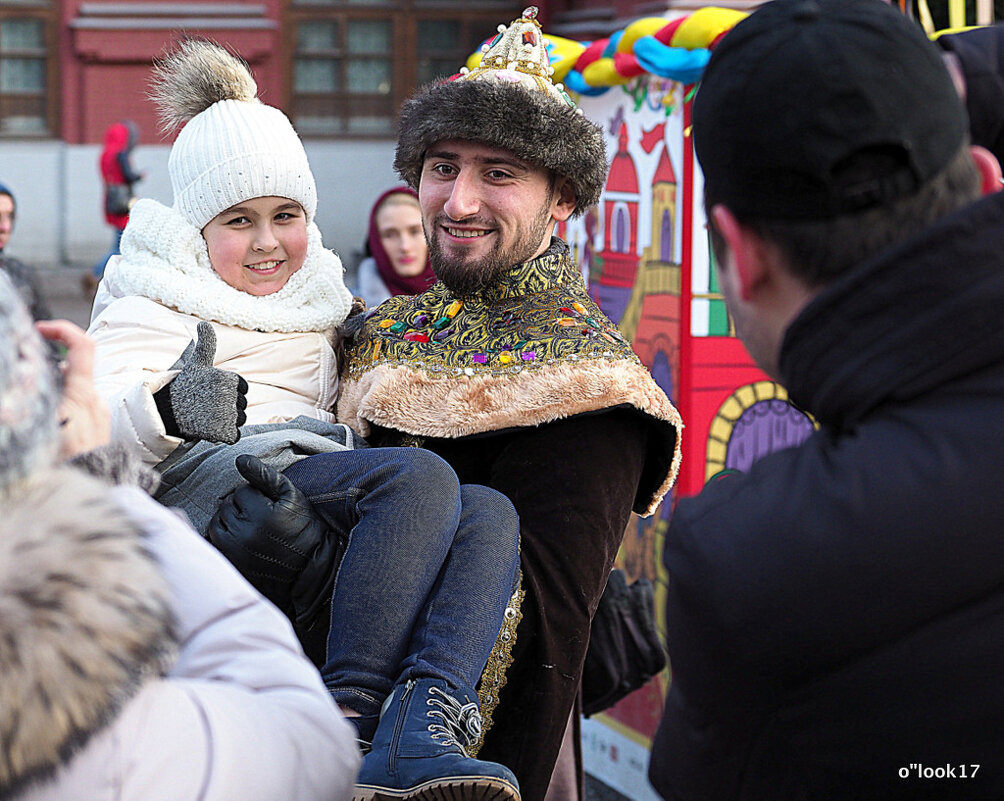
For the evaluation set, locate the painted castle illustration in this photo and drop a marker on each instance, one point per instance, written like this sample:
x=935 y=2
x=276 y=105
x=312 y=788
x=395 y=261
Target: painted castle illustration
x=671 y=310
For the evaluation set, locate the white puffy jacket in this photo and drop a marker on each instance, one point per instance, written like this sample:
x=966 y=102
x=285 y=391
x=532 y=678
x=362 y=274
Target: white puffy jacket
x=239 y=714
x=148 y=308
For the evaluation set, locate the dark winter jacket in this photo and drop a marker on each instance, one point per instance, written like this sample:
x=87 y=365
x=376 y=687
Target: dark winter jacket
x=25 y=281
x=835 y=618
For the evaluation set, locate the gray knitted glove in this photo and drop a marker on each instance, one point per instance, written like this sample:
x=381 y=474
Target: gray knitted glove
x=202 y=402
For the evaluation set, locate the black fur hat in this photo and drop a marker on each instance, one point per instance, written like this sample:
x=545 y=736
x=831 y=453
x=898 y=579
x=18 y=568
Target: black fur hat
x=510 y=103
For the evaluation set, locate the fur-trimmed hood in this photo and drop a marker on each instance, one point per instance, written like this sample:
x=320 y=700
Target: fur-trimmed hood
x=84 y=620
x=529 y=350
x=531 y=125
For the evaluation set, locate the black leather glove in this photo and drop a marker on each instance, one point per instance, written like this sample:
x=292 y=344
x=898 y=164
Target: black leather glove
x=272 y=535
x=203 y=402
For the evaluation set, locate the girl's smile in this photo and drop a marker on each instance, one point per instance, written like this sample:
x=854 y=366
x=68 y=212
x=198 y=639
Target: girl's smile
x=257 y=245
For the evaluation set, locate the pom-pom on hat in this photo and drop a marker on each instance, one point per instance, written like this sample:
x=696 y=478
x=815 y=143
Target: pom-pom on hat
x=809 y=109
x=28 y=394
x=233 y=147
x=508 y=102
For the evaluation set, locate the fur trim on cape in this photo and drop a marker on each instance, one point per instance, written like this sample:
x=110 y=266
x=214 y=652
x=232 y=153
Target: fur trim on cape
x=532 y=125
x=530 y=349
x=421 y=404
x=164 y=258
x=84 y=620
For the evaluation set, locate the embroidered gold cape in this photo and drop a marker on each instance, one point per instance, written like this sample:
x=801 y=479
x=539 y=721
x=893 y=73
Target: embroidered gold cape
x=530 y=349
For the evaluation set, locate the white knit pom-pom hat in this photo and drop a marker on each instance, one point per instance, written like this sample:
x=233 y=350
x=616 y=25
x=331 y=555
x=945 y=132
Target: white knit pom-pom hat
x=233 y=147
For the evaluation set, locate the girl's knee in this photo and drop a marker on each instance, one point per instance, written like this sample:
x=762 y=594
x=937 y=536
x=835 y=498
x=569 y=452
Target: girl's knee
x=426 y=472
x=492 y=504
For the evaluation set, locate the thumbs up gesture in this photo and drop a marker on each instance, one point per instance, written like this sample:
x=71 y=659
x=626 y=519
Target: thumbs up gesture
x=202 y=402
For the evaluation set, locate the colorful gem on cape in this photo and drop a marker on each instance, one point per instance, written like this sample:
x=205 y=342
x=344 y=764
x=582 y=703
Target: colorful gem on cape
x=455 y=307
x=398 y=327
x=505 y=357
x=442 y=322
x=376 y=349
x=579 y=307
x=442 y=334
x=592 y=322
x=416 y=336
x=528 y=356
x=422 y=319
x=567 y=321
x=480 y=358
x=386 y=323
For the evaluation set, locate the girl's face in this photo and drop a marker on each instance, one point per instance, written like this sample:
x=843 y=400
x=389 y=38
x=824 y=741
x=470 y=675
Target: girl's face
x=257 y=245
x=399 y=224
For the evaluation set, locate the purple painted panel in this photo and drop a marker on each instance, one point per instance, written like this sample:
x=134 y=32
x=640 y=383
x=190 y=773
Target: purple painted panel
x=765 y=427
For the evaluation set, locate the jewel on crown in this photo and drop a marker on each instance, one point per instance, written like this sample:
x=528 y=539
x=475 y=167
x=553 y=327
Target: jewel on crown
x=518 y=54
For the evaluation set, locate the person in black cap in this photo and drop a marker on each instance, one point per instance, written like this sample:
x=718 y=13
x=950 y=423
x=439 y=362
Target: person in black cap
x=835 y=616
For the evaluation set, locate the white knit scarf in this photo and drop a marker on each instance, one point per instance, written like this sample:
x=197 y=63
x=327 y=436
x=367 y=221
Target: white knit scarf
x=165 y=258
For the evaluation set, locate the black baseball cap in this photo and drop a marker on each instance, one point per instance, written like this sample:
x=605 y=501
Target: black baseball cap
x=813 y=108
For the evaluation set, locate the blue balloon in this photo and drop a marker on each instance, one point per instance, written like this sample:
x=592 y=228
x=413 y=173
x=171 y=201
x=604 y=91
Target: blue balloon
x=611 y=48
x=576 y=83
x=675 y=63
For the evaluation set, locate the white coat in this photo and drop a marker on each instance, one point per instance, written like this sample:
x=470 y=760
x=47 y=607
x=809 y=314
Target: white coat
x=239 y=713
x=148 y=307
x=138 y=341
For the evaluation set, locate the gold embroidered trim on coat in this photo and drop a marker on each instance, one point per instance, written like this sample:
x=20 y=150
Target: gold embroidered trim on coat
x=494 y=677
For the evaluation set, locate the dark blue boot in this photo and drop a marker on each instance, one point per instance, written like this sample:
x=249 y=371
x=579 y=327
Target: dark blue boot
x=419 y=750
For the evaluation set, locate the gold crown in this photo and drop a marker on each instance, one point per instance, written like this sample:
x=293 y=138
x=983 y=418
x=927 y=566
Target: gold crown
x=518 y=54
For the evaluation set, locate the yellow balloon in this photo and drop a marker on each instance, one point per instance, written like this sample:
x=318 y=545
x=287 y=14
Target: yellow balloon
x=602 y=73
x=702 y=27
x=563 y=54
x=474 y=60
x=639 y=28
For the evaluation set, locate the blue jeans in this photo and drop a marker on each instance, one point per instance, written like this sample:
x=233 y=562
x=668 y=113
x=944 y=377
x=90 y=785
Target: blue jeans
x=426 y=577
x=98 y=270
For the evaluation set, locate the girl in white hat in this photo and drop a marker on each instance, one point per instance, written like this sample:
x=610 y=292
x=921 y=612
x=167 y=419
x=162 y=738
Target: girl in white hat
x=218 y=324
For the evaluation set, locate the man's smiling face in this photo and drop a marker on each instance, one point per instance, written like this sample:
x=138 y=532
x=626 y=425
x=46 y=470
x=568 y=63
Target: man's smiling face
x=485 y=211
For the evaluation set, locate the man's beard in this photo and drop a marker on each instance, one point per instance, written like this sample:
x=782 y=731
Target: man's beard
x=464 y=276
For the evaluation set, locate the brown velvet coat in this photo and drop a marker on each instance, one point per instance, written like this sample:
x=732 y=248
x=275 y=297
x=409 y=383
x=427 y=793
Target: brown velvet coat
x=528 y=389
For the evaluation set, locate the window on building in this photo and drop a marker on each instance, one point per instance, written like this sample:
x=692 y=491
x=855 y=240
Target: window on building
x=719 y=323
x=355 y=61
x=622 y=239
x=27 y=68
x=666 y=237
